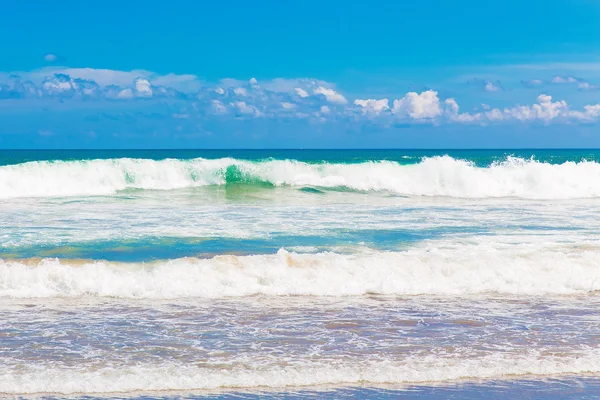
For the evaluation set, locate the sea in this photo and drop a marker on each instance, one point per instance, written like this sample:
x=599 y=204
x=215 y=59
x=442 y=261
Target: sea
x=291 y=274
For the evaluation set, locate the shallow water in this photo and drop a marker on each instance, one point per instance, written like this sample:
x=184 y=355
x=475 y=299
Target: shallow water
x=468 y=277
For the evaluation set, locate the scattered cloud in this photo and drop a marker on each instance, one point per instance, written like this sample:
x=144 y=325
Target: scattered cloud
x=580 y=83
x=301 y=98
x=563 y=79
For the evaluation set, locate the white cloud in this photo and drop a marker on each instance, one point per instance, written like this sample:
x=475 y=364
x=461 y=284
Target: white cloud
x=218 y=107
x=102 y=77
x=331 y=95
x=283 y=85
x=50 y=57
x=253 y=81
x=532 y=83
x=418 y=106
x=289 y=98
x=587 y=86
x=491 y=87
x=372 y=106
x=58 y=83
x=301 y=92
x=61 y=85
x=545 y=109
x=106 y=77
x=563 y=79
x=245 y=108
x=592 y=110
x=451 y=111
x=142 y=87
x=125 y=94
x=240 y=91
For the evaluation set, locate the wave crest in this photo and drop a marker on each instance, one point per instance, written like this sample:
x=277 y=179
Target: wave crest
x=433 y=176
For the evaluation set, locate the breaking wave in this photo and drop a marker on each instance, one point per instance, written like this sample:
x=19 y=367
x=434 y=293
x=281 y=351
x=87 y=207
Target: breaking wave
x=433 y=176
x=455 y=270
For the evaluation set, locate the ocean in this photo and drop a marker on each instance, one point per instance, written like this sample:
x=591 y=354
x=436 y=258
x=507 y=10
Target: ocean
x=287 y=274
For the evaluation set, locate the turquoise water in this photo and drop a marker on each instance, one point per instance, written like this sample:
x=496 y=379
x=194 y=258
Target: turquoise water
x=300 y=273
x=480 y=157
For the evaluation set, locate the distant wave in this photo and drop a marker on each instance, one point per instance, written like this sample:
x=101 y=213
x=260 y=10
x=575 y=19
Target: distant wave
x=433 y=176
x=527 y=269
x=34 y=379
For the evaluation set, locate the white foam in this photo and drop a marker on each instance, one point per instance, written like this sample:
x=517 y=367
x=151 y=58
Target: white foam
x=435 y=176
x=31 y=379
x=439 y=269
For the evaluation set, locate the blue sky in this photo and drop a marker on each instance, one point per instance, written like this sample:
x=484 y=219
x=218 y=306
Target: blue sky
x=300 y=74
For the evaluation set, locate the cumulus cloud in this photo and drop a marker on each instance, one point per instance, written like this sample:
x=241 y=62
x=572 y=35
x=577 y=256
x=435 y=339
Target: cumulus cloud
x=544 y=110
x=142 y=87
x=418 y=106
x=331 y=95
x=372 y=106
x=491 y=87
x=246 y=109
x=63 y=85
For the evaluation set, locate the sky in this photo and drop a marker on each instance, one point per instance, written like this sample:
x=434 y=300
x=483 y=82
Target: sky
x=310 y=74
